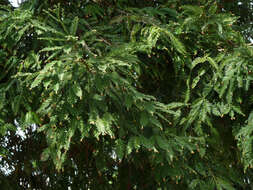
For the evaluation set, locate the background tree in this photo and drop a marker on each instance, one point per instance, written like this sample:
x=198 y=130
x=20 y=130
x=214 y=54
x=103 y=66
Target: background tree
x=242 y=9
x=124 y=95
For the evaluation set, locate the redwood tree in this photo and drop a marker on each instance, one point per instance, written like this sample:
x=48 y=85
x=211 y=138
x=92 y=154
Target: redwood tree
x=124 y=94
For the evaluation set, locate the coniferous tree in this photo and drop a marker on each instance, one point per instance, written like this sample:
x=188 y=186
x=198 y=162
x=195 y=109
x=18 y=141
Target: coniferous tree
x=124 y=94
x=244 y=11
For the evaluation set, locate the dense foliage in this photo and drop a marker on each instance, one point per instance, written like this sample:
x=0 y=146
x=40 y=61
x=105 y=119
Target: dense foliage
x=124 y=95
x=242 y=9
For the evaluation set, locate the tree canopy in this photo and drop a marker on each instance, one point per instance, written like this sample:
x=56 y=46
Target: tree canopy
x=124 y=94
x=242 y=9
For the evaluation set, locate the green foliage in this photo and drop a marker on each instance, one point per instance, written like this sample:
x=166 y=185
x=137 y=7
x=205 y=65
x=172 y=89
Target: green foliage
x=124 y=95
x=242 y=9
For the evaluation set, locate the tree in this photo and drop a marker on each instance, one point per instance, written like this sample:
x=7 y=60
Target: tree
x=244 y=11
x=124 y=95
